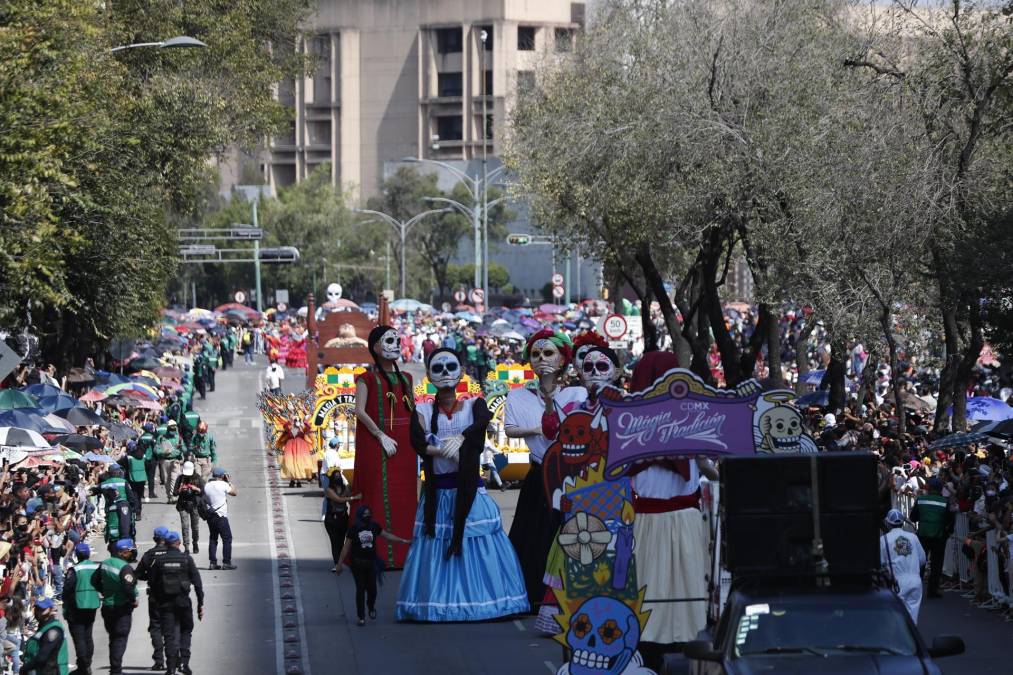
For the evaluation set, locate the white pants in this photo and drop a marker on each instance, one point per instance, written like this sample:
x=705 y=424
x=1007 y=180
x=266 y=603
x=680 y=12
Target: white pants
x=910 y=591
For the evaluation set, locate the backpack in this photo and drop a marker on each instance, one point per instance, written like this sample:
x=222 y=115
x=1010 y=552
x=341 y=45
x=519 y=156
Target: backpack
x=204 y=509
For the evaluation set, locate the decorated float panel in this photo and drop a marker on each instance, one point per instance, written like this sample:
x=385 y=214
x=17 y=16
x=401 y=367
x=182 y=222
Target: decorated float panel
x=499 y=383
x=334 y=410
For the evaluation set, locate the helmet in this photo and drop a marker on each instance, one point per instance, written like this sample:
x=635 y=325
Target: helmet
x=171 y=424
x=202 y=427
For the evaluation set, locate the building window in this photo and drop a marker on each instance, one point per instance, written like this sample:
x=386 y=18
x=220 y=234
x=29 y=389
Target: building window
x=526 y=38
x=450 y=127
x=577 y=13
x=449 y=84
x=488 y=127
x=525 y=81
x=488 y=36
x=448 y=40
x=487 y=84
x=319 y=133
x=564 y=39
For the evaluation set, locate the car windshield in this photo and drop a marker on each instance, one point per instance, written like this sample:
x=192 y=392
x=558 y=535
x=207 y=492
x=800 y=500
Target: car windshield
x=784 y=627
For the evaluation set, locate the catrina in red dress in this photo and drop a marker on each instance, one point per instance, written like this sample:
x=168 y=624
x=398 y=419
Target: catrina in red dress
x=388 y=485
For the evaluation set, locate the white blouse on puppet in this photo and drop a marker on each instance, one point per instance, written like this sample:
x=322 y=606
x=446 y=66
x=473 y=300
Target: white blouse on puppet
x=445 y=428
x=524 y=409
x=659 y=482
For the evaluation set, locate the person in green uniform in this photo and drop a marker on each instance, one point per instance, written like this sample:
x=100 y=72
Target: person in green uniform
x=46 y=651
x=147 y=443
x=80 y=605
x=200 y=375
x=204 y=450
x=116 y=582
x=211 y=356
x=136 y=475
x=169 y=452
x=113 y=487
x=935 y=523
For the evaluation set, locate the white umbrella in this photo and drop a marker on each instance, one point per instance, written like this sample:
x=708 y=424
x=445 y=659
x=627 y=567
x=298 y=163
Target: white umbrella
x=16 y=436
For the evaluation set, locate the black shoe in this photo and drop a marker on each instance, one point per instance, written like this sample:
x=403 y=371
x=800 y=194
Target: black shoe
x=228 y=566
x=159 y=665
x=184 y=668
x=291 y=483
x=196 y=547
x=372 y=614
x=215 y=566
x=360 y=622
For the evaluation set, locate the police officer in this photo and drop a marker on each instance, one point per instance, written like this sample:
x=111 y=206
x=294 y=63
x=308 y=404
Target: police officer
x=136 y=475
x=80 y=604
x=147 y=443
x=171 y=577
x=46 y=651
x=116 y=582
x=144 y=574
x=119 y=516
x=113 y=486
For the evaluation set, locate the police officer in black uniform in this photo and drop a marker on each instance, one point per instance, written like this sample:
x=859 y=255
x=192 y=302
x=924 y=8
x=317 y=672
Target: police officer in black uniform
x=170 y=580
x=144 y=574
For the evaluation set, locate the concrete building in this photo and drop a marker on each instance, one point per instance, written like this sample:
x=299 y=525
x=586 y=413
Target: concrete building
x=411 y=78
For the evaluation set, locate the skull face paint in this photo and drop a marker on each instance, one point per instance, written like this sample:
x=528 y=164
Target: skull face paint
x=603 y=637
x=596 y=370
x=545 y=357
x=333 y=292
x=389 y=346
x=445 y=370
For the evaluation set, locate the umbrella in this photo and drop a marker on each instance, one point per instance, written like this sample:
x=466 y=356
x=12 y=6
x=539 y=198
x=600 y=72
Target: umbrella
x=60 y=402
x=144 y=363
x=816 y=399
x=148 y=381
x=996 y=429
x=912 y=402
x=26 y=418
x=471 y=317
x=987 y=408
x=11 y=399
x=122 y=432
x=111 y=378
x=78 y=442
x=139 y=387
x=79 y=376
x=814 y=377
x=97 y=457
x=57 y=422
x=958 y=440
x=34 y=462
x=24 y=438
x=93 y=396
x=513 y=335
x=168 y=372
x=549 y=308
x=146 y=374
x=42 y=389
x=82 y=417
x=69 y=454
x=406 y=305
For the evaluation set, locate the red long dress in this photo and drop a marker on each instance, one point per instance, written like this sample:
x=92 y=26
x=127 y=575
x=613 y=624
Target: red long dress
x=389 y=485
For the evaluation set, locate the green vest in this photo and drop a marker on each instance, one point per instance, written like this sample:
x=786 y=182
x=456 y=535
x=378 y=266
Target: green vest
x=34 y=644
x=932 y=511
x=135 y=470
x=192 y=419
x=203 y=445
x=175 y=441
x=147 y=442
x=114 y=592
x=85 y=595
x=119 y=485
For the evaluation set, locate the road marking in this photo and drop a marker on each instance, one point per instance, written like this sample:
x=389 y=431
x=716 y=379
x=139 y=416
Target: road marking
x=552 y=668
x=518 y=624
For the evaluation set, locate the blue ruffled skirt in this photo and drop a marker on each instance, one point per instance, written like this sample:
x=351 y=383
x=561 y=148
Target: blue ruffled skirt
x=484 y=582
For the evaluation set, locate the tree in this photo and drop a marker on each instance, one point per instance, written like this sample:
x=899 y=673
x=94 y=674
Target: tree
x=464 y=275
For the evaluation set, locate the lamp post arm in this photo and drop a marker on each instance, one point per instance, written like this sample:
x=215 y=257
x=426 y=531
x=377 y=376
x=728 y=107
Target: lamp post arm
x=390 y=220
x=469 y=182
x=456 y=204
x=135 y=46
x=415 y=219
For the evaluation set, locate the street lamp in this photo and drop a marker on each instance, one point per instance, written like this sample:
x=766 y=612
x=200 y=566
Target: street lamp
x=478 y=190
x=402 y=227
x=180 y=41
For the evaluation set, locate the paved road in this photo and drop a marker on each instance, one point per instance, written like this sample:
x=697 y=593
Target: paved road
x=284 y=611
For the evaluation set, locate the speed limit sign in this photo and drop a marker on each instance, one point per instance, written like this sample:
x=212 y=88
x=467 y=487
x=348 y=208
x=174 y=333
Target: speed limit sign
x=614 y=326
x=460 y=296
x=557 y=279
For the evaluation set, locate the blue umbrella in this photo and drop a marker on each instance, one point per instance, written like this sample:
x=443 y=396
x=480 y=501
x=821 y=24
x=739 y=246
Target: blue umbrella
x=60 y=402
x=27 y=418
x=819 y=399
x=814 y=377
x=986 y=408
x=96 y=457
x=958 y=440
x=42 y=389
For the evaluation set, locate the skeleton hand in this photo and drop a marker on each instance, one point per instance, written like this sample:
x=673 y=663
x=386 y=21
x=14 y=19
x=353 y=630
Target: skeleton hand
x=388 y=444
x=451 y=447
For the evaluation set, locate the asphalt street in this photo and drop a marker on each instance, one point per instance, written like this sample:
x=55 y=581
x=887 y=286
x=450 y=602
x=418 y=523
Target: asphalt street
x=284 y=611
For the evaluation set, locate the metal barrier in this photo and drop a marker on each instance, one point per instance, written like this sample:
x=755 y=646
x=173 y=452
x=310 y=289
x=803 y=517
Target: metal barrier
x=960 y=530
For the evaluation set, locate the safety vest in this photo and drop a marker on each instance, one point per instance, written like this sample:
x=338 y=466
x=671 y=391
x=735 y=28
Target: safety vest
x=114 y=592
x=135 y=470
x=932 y=511
x=119 y=521
x=174 y=452
x=147 y=442
x=114 y=483
x=85 y=593
x=34 y=644
x=203 y=445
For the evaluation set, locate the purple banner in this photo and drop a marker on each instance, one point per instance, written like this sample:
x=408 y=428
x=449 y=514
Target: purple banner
x=678 y=416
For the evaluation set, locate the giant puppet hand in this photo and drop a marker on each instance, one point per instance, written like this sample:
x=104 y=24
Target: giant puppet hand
x=451 y=447
x=388 y=444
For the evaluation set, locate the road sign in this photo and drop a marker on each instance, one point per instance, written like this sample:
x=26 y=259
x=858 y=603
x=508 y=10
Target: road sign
x=281 y=295
x=446 y=307
x=9 y=360
x=614 y=326
x=477 y=296
x=281 y=306
x=557 y=279
x=199 y=249
x=558 y=292
x=239 y=297
x=460 y=296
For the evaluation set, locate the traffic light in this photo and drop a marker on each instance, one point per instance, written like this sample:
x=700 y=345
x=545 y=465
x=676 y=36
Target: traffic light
x=518 y=239
x=280 y=254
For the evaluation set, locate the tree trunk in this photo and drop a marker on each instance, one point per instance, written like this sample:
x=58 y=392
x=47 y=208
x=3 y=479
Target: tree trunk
x=868 y=379
x=965 y=368
x=711 y=304
x=947 y=376
x=886 y=321
x=656 y=284
x=802 y=352
x=773 y=335
x=835 y=374
x=747 y=362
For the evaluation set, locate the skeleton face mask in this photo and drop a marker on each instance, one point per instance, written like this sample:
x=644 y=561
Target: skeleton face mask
x=597 y=370
x=545 y=357
x=444 y=370
x=333 y=292
x=389 y=346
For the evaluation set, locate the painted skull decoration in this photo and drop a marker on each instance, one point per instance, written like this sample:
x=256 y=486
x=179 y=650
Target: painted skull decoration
x=782 y=430
x=389 y=346
x=545 y=357
x=445 y=370
x=603 y=637
x=333 y=292
x=596 y=370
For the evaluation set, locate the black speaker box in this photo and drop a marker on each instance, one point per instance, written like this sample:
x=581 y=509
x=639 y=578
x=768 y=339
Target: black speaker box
x=768 y=506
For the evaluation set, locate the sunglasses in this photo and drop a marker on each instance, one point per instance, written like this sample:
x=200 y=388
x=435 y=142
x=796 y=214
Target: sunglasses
x=601 y=366
x=439 y=369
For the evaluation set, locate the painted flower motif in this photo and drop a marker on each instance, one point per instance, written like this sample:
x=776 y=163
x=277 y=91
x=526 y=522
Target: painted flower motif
x=584 y=538
x=609 y=631
x=581 y=626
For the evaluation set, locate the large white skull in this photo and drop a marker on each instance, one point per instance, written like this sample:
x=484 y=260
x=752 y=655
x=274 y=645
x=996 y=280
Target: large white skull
x=596 y=370
x=545 y=357
x=333 y=292
x=782 y=430
x=445 y=370
x=390 y=345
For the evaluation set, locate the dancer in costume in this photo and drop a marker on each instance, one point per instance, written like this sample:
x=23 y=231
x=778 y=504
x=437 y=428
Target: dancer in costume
x=297 y=461
x=597 y=366
x=671 y=538
x=386 y=469
x=535 y=523
x=461 y=566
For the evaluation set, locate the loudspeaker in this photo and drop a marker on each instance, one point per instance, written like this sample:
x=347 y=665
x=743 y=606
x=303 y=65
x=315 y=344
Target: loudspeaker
x=768 y=505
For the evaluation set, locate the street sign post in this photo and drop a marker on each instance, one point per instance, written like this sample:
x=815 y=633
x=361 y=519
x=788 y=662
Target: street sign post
x=558 y=292
x=477 y=296
x=460 y=296
x=239 y=297
x=557 y=279
x=281 y=295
